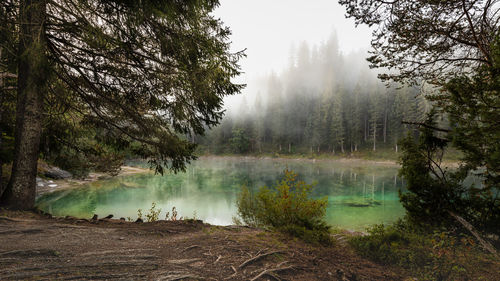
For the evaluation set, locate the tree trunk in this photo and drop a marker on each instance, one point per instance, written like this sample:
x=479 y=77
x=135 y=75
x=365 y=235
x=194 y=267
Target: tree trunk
x=366 y=129
x=385 y=125
x=289 y=147
x=342 y=146
x=486 y=245
x=32 y=81
x=1 y=133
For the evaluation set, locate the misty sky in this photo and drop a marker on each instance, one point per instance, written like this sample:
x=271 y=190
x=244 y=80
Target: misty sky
x=269 y=28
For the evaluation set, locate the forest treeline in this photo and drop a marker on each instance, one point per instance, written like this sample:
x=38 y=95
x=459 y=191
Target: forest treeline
x=324 y=102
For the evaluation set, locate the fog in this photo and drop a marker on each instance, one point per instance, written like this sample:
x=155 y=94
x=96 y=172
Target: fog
x=309 y=86
x=272 y=31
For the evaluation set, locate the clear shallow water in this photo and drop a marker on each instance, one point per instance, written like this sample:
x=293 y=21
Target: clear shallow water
x=359 y=194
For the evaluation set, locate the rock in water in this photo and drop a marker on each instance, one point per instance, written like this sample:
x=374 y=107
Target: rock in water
x=109 y=217
x=56 y=173
x=94 y=218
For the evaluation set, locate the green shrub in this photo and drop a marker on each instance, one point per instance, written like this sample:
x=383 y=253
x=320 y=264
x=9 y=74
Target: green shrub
x=286 y=207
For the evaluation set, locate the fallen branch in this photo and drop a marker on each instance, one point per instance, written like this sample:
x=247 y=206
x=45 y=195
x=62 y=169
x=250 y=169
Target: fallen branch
x=232 y=275
x=486 y=245
x=254 y=259
x=269 y=272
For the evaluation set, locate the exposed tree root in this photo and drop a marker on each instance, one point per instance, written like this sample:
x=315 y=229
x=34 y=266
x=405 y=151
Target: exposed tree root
x=180 y=277
x=270 y=272
x=190 y=247
x=8 y=219
x=254 y=259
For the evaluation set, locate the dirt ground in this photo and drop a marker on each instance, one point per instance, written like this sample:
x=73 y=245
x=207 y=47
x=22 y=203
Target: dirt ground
x=36 y=247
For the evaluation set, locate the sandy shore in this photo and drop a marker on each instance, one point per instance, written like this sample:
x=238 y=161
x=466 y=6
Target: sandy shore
x=53 y=185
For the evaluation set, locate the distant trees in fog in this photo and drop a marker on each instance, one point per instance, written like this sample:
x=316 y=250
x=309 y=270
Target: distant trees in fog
x=324 y=102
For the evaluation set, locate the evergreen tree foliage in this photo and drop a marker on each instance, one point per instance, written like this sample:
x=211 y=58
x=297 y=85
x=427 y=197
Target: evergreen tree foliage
x=432 y=190
x=239 y=141
x=319 y=105
x=454 y=45
x=429 y=40
x=143 y=74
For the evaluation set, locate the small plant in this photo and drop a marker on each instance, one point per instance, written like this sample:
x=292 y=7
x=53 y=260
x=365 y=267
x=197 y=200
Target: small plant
x=174 y=214
x=288 y=208
x=237 y=221
x=139 y=214
x=153 y=214
x=172 y=217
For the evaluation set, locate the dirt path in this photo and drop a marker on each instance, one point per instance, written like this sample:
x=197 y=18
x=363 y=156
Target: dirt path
x=34 y=247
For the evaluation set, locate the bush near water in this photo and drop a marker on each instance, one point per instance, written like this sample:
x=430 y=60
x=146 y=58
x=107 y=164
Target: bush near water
x=286 y=207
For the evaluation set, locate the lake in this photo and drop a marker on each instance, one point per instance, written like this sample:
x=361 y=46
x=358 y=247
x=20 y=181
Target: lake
x=359 y=193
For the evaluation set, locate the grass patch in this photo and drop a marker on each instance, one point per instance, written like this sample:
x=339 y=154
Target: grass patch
x=427 y=254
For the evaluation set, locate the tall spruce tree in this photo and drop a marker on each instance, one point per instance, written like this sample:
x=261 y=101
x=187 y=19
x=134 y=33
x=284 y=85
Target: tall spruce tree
x=454 y=44
x=143 y=71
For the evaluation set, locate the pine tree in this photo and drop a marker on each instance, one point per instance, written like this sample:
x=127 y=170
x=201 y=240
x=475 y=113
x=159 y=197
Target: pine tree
x=259 y=129
x=337 y=123
x=143 y=71
x=375 y=116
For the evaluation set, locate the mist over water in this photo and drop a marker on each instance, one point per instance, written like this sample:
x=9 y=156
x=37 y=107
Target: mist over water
x=358 y=194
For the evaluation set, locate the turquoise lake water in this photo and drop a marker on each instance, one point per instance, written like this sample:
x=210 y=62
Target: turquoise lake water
x=359 y=193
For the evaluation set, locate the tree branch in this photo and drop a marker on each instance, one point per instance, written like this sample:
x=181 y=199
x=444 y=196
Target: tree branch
x=426 y=126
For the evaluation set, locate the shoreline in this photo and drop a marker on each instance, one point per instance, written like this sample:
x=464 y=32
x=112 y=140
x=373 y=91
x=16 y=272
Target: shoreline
x=347 y=160
x=312 y=160
x=69 y=183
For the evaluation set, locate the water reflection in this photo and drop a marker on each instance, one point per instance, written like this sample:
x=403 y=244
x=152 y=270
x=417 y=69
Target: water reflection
x=358 y=194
